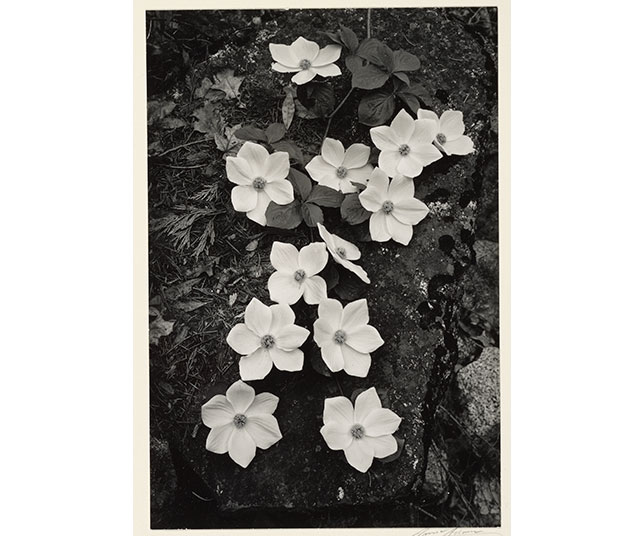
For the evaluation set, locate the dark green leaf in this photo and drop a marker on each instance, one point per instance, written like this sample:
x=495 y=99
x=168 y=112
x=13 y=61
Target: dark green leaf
x=301 y=183
x=369 y=77
x=354 y=63
x=359 y=186
x=333 y=36
x=275 y=132
x=376 y=108
x=315 y=101
x=289 y=147
x=252 y=133
x=317 y=364
x=403 y=77
x=403 y=61
x=325 y=197
x=376 y=52
x=411 y=101
x=331 y=276
x=312 y=214
x=419 y=91
x=348 y=38
x=396 y=454
x=352 y=211
x=284 y=216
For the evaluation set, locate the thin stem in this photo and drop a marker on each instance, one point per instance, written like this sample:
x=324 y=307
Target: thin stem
x=368 y=23
x=183 y=146
x=326 y=130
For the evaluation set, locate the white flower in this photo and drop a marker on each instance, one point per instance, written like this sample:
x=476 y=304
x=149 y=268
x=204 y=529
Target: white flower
x=305 y=58
x=261 y=178
x=363 y=433
x=295 y=273
x=267 y=337
x=450 y=129
x=343 y=252
x=395 y=210
x=406 y=146
x=336 y=168
x=344 y=336
x=240 y=422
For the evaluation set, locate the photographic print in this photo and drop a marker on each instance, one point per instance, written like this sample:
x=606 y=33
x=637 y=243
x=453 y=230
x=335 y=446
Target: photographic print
x=323 y=268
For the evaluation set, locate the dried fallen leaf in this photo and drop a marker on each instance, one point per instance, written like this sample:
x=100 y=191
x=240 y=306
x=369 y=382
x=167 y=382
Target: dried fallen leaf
x=225 y=81
x=209 y=121
x=251 y=246
x=188 y=306
x=159 y=328
x=232 y=298
x=288 y=107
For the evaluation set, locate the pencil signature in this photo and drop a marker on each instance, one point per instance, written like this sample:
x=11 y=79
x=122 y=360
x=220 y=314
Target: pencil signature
x=453 y=532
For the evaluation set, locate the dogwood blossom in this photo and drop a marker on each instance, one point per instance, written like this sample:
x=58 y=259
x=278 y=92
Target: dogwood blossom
x=363 y=432
x=450 y=129
x=343 y=252
x=267 y=337
x=345 y=337
x=261 y=178
x=406 y=146
x=306 y=59
x=337 y=168
x=395 y=209
x=240 y=421
x=296 y=273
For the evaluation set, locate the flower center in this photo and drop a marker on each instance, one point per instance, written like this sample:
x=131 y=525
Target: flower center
x=341 y=172
x=239 y=420
x=441 y=138
x=299 y=275
x=387 y=207
x=268 y=341
x=342 y=252
x=258 y=183
x=339 y=336
x=357 y=431
x=305 y=64
x=404 y=149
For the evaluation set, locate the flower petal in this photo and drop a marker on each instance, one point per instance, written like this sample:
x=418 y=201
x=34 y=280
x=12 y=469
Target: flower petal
x=303 y=49
x=240 y=396
x=255 y=366
x=239 y=171
x=409 y=165
x=383 y=446
x=277 y=167
x=244 y=198
x=242 y=447
x=338 y=410
x=331 y=181
x=291 y=337
x=425 y=132
x=280 y=192
x=428 y=114
x=313 y=258
x=217 y=412
x=218 y=438
x=284 y=257
x=256 y=156
x=330 y=310
x=452 y=124
x=264 y=430
x=243 y=340
x=257 y=317
x=336 y=436
x=360 y=175
x=333 y=152
x=328 y=238
x=426 y=154
x=388 y=161
x=289 y=361
x=366 y=402
x=384 y=138
x=376 y=193
x=410 y=211
x=258 y=214
x=463 y=145
x=351 y=251
x=364 y=339
x=380 y=422
x=327 y=55
x=315 y=290
x=318 y=168
x=278 y=67
x=327 y=70
x=356 y=156
x=263 y=404
x=281 y=316
x=403 y=126
x=401 y=188
x=359 y=271
x=355 y=363
x=324 y=330
x=355 y=314
x=283 y=288
x=360 y=455
x=283 y=54
x=304 y=76
x=400 y=232
x=332 y=356
x=378 y=227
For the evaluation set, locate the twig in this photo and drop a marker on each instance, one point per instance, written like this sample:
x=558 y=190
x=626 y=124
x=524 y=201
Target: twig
x=184 y=167
x=182 y=146
x=335 y=377
x=368 y=23
x=326 y=130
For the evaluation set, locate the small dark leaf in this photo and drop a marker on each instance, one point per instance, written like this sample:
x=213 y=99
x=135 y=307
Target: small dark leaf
x=333 y=36
x=376 y=52
x=311 y=214
x=275 y=132
x=419 y=91
x=251 y=133
x=411 y=101
x=284 y=216
x=315 y=101
x=358 y=185
x=396 y=454
x=352 y=211
x=376 y=108
x=289 y=147
x=348 y=38
x=325 y=197
x=301 y=183
x=331 y=276
x=369 y=77
x=354 y=63
x=403 y=61
x=404 y=77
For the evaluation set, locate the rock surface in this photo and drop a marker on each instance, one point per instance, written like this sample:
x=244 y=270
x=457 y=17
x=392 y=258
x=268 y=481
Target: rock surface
x=435 y=484
x=486 y=497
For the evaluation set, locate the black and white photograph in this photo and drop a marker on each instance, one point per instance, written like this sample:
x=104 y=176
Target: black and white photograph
x=323 y=268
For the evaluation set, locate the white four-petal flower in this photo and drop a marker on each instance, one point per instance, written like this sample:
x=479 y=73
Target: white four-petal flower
x=261 y=178
x=395 y=209
x=406 y=146
x=306 y=59
x=240 y=422
x=363 y=432
x=337 y=168
x=296 y=273
x=267 y=337
x=344 y=336
x=450 y=130
x=343 y=252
